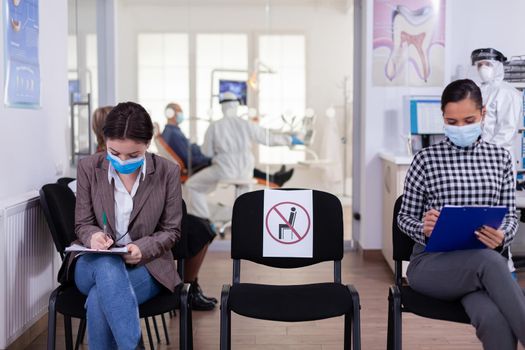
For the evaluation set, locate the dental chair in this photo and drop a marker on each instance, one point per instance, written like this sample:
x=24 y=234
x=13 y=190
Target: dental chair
x=164 y=150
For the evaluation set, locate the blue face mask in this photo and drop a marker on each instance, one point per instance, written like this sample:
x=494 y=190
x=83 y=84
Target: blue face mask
x=125 y=166
x=180 y=117
x=463 y=136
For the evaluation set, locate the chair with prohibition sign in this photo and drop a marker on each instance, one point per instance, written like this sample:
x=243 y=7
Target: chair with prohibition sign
x=289 y=303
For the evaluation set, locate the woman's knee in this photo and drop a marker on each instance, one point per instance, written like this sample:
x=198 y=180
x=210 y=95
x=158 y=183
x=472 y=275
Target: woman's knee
x=108 y=265
x=490 y=259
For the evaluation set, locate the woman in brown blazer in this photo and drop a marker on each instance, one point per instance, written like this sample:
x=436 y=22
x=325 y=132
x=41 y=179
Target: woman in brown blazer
x=125 y=197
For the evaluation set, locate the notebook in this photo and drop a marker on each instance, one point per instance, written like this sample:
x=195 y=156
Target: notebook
x=456 y=225
x=81 y=248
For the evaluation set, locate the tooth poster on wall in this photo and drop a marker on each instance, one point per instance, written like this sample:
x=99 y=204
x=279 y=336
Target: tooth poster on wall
x=22 y=67
x=409 y=43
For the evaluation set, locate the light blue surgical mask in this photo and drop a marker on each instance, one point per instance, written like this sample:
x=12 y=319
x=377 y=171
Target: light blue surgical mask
x=180 y=117
x=463 y=136
x=125 y=166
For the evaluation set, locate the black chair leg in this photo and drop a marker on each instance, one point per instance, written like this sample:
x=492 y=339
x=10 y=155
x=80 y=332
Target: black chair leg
x=355 y=319
x=398 y=333
x=165 y=329
x=150 y=338
x=390 y=326
x=81 y=333
x=68 y=332
x=395 y=336
x=52 y=321
x=225 y=327
x=183 y=328
x=357 y=329
x=189 y=334
x=348 y=332
x=225 y=319
x=185 y=325
x=156 y=328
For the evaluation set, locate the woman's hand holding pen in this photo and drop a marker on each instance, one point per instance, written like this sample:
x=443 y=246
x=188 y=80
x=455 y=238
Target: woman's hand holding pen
x=491 y=237
x=429 y=221
x=100 y=240
x=134 y=256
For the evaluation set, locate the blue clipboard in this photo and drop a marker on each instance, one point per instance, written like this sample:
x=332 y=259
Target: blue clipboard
x=455 y=227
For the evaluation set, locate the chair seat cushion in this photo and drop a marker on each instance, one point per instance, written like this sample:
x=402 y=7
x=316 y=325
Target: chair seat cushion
x=71 y=302
x=425 y=306
x=164 y=302
x=290 y=303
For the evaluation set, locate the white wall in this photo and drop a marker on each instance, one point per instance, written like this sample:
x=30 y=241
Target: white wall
x=34 y=143
x=328 y=29
x=471 y=24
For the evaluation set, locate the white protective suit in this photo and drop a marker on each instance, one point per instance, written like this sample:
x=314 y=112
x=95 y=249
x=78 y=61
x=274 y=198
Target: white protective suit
x=229 y=142
x=504 y=113
x=504 y=105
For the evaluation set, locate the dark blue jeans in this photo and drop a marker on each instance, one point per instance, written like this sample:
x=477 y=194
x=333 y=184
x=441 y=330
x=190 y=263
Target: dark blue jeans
x=114 y=292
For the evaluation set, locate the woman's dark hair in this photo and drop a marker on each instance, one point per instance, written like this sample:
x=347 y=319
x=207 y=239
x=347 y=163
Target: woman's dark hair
x=459 y=90
x=128 y=120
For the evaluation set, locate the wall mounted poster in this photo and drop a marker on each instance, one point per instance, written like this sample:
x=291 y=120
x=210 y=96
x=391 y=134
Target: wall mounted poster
x=22 y=67
x=409 y=43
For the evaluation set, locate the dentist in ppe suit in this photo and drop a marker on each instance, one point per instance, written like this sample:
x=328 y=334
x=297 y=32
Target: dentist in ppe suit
x=503 y=104
x=228 y=142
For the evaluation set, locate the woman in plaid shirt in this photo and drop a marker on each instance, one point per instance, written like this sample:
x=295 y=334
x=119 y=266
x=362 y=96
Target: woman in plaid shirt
x=465 y=170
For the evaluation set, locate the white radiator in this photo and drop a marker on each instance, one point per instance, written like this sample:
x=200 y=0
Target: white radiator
x=26 y=266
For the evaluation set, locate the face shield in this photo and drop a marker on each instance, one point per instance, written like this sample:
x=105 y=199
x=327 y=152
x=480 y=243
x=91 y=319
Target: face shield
x=489 y=64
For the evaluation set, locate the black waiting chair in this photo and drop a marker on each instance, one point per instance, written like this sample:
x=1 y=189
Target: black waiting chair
x=65 y=180
x=58 y=204
x=290 y=303
x=402 y=298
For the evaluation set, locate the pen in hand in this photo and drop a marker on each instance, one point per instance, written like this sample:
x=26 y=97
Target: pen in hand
x=109 y=240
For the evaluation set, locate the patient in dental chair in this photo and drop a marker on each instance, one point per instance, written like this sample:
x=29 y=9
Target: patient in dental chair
x=178 y=142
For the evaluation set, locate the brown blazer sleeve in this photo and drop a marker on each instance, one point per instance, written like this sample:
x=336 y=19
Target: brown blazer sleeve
x=168 y=229
x=85 y=221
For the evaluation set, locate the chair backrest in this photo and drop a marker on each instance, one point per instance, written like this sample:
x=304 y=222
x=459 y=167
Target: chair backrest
x=247 y=231
x=402 y=243
x=180 y=250
x=164 y=149
x=65 y=180
x=167 y=152
x=58 y=204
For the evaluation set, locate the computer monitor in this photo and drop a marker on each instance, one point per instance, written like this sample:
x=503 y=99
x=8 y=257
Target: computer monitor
x=239 y=88
x=425 y=113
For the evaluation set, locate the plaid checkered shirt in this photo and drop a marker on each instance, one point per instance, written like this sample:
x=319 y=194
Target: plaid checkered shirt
x=445 y=174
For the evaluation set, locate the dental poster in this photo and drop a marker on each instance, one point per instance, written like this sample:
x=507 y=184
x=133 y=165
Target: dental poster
x=288 y=224
x=409 y=43
x=22 y=67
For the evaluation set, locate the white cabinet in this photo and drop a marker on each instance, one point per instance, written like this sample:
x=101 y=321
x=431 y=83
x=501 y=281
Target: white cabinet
x=394 y=171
